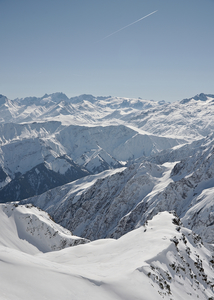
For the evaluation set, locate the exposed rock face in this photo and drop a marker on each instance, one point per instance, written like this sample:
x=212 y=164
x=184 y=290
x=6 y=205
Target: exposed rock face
x=184 y=261
x=116 y=204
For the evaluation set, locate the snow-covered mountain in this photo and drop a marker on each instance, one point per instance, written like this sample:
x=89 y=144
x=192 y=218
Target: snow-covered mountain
x=161 y=260
x=117 y=203
x=28 y=229
x=106 y=167
x=42 y=146
x=55 y=149
x=189 y=118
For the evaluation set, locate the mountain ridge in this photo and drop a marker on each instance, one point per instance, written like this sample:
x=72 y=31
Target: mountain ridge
x=160 y=259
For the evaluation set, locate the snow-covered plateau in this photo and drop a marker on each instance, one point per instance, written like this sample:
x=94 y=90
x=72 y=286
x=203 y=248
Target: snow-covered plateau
x=129 y=183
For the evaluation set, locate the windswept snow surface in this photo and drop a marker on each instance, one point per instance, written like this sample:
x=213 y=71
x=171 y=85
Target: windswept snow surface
x=161 y=260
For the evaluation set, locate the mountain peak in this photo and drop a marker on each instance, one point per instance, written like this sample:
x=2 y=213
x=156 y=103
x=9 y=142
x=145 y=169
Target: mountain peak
x=198 y=97
x=3 y=99
x=56 y=97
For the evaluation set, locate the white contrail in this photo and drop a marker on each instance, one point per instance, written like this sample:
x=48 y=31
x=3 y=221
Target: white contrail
x=128 y=25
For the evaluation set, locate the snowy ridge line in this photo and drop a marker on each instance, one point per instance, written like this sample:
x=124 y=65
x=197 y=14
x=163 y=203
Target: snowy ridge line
x=161 y=259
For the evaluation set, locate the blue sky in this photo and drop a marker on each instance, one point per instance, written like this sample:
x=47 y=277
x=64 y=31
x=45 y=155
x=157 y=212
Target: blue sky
x=52 y=46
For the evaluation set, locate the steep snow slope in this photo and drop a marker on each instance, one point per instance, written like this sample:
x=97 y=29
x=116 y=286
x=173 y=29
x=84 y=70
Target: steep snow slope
x=61 y=197
x=28 y=229
x=120 y=142
x=162 y=260
x=50 y=140
x=99 y=208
